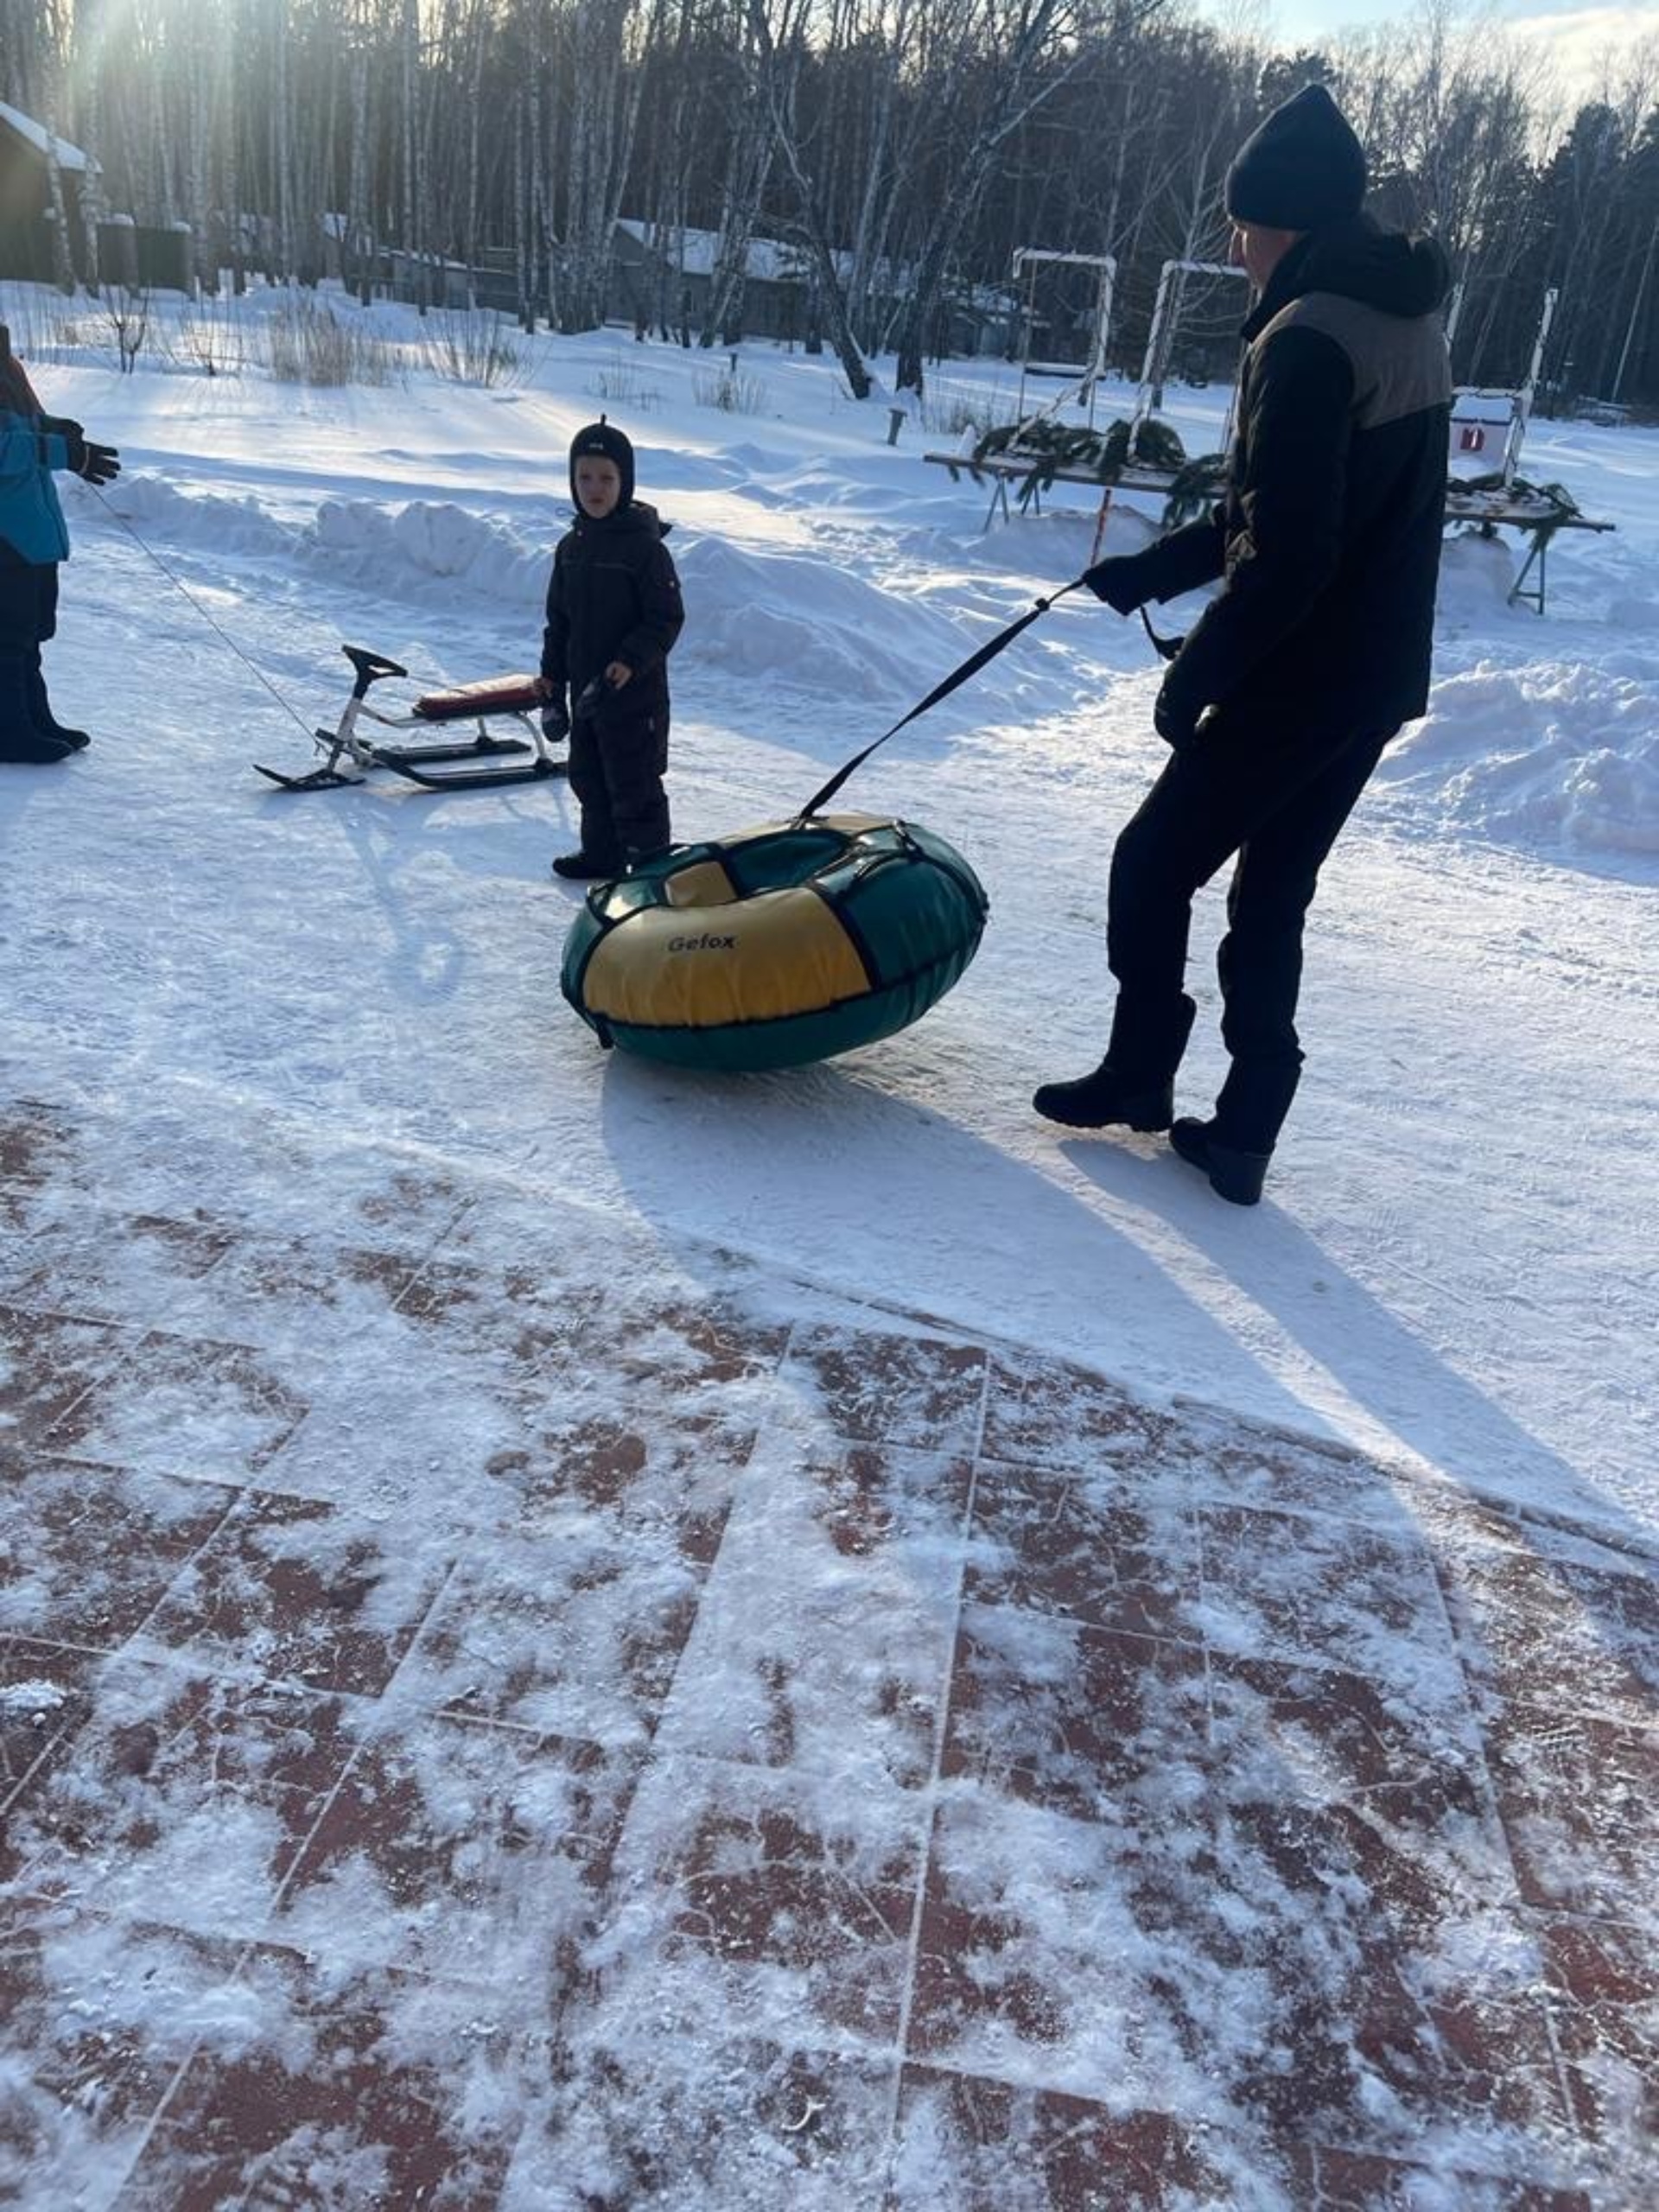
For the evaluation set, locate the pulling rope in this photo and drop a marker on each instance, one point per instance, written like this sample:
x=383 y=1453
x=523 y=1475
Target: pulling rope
x=1166 y=648
x=971 y=666
x=219 y=631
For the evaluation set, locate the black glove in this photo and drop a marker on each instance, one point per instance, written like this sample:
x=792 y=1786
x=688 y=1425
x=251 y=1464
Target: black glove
x=1176 y=714
x=98 y=464
x=592 y=697
x=1120 y=581
x=556 y=721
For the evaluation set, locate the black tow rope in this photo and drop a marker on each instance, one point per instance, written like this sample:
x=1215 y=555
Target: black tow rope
x=971 y=666
x=1167 y=647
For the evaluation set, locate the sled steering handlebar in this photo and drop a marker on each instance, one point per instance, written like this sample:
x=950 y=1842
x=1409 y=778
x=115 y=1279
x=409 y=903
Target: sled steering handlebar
x=370 y=667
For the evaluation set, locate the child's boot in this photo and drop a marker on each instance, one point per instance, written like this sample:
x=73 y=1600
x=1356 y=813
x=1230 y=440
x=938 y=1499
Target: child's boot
x=587 y=868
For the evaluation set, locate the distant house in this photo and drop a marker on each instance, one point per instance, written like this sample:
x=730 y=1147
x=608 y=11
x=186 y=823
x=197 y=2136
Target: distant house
x=664 y=276
x=127 y=252
x=26 y=216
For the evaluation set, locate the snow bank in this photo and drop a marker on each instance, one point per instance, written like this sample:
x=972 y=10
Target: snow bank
x=1557 y=753
x=808 y=619
x=427 y=549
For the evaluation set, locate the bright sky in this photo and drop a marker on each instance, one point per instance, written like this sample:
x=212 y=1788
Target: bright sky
x=1579 y=38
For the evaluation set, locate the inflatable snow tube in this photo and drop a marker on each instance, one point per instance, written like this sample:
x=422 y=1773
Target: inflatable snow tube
x=775 y=946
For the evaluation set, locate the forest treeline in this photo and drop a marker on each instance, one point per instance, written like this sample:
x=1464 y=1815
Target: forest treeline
x=903 y=148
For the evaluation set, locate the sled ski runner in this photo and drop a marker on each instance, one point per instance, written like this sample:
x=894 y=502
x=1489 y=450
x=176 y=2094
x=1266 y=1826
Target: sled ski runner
x=479 y=763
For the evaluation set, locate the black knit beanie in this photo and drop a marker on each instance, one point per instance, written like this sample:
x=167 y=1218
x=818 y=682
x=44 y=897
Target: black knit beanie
x=603 y=437
x=1300 y=168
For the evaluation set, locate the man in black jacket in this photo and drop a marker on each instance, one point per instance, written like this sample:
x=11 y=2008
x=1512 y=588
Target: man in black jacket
x=1281 y=700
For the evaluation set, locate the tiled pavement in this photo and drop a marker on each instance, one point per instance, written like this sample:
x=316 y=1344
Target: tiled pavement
x=494 y=1717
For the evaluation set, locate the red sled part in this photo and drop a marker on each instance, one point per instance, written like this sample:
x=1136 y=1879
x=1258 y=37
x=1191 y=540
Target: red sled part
x=494 y=694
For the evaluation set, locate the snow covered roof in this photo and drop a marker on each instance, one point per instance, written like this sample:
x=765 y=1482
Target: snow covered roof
x=767 y=259
x=69 y=157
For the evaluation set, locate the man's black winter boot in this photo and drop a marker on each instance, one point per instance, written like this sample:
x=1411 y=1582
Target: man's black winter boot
x=1235 y=1176
x=586 y=867
x=1107 y=1099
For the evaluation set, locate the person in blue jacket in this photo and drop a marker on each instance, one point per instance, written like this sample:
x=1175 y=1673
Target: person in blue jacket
x=33 y=540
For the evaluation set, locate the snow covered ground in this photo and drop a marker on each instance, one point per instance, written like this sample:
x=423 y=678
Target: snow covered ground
x=1457 y=1257
x=291 y=1111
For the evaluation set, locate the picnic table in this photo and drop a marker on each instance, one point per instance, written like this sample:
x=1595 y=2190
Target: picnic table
x=1537 y=519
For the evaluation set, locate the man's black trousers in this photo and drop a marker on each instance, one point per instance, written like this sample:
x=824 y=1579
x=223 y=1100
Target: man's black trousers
x=1274 y=787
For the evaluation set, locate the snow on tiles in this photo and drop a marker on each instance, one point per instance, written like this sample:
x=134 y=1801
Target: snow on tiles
x=577 y=1635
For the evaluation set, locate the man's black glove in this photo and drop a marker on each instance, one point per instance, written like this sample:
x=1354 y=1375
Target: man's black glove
x=1176 y=713
x=1121 y=582
x=556 y=721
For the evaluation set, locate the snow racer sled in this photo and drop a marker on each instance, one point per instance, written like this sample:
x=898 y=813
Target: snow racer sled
x=472 y=764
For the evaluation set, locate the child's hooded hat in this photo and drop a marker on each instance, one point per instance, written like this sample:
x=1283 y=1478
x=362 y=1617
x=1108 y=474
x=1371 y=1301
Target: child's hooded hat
x=605 y=439
x=1302 y=167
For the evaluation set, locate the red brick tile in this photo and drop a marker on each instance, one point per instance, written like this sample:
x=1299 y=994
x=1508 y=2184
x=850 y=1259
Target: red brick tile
x=176 y=1406
x=1337 y=1787
x=1091 y=1548
x=36 y=1141
x=870 y=1496
x=303 y=1291
x=578 y=1635
x=701 y=2123
x=1604 y=1977
x=1327 y=2180
x=893 y=1390
x=297 y=1588
x=676 y=1473
x=85 y=1259
x=46 y=1361
x=176 y=1800
x=377 y=2090
x=1291 y=1586
x=1171 y=1959
x=1077 y=1719
x=1250 y=1463
x=822 y=1640
x=474 y=1853
x=777 y=1904
x=1574 y=1633
x=99 y=2018
x=45 y=1697
x=87 y=1552
x=967 y=2144
x=1579 y=1800
x=1041 y=1413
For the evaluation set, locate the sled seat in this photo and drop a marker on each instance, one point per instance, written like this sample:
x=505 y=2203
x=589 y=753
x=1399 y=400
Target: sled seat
x=493 y=695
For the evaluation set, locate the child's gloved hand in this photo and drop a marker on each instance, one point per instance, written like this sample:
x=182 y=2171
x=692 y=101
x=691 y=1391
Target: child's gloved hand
x=102 y=464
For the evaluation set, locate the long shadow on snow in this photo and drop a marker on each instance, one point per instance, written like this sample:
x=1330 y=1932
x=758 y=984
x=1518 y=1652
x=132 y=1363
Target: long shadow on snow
x=872 y=1198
